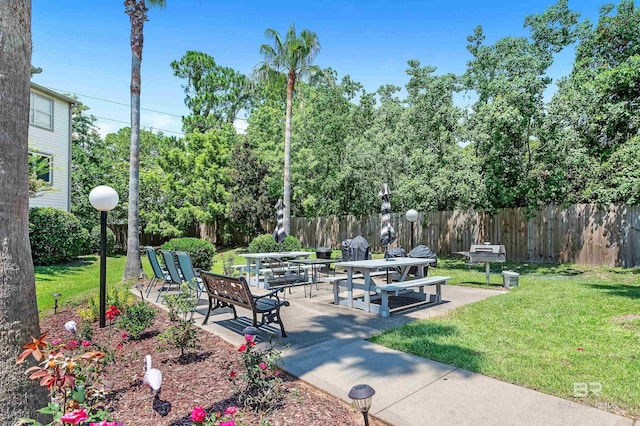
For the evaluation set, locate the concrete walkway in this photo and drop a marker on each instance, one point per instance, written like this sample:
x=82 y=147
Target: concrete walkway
x=327 y=347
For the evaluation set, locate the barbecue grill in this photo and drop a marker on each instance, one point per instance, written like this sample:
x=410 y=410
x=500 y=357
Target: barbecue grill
x=487 y=254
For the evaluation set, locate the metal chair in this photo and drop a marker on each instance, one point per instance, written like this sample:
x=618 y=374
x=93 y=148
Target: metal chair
x=172 y=268
x=189 y=273
x=159 y=274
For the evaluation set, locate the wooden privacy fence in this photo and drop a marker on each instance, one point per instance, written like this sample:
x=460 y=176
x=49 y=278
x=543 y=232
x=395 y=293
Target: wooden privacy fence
x=583 y=233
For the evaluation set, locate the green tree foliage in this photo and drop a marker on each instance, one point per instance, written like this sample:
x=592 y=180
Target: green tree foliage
x=214 y=94
x=249 y=202
x=590 y=133
x=90 y=166
x=509 y=79
x=195 y=181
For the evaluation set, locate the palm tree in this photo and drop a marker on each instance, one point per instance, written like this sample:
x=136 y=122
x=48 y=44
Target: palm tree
x=20 y=396
x=137 y=11
x=294 y=57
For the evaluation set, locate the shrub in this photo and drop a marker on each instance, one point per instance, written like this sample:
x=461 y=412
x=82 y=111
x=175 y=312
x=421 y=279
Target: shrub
x=265 y=243
x=261 y=386
x=228 y=261
x=184 y=335
x=201 y=251
x=291 y=243
x=136 y=319
x=56 y=236
x=95 y=240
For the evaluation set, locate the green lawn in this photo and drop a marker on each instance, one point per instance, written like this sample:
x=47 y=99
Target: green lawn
x=78 y=280
x=564 y=325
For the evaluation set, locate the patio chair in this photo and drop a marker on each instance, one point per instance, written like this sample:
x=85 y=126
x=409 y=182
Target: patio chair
x=189 y=273
x=172 y=268
x=159 y=274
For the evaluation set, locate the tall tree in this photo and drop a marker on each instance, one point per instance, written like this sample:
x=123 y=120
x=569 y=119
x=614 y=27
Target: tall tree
x=20 y=396
x=214 y=94
x=294 y=56
x=137 y=11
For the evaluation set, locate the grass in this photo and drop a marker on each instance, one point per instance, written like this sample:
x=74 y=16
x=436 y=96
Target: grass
x=565 y=326
x=79 y=280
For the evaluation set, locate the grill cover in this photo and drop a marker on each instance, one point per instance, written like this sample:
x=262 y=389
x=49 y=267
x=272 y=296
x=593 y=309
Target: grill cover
x=356 y=249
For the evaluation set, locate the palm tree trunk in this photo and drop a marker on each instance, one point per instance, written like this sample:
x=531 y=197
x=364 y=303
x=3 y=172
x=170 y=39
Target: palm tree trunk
x=137 y=14
x=291 y=81
x=20 y=396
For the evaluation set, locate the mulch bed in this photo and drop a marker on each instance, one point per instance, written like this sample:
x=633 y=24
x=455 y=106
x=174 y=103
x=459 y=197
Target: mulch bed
x=199 y=380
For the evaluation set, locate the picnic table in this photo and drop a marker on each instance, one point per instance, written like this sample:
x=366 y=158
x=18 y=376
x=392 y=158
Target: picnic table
x=255 y=264
x=366 y=268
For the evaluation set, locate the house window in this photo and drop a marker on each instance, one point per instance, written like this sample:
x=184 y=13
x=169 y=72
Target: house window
x=41 y=165
x=41 y=111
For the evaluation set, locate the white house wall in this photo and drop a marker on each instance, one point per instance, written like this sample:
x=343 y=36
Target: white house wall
x=56 y=143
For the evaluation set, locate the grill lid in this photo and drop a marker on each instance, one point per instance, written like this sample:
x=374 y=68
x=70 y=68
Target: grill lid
x=487 y=249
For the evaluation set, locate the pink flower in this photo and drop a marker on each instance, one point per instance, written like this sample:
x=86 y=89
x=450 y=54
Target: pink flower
x=124 y=335
x=232 y=374
x=228 y=423
x=198 y=415
x=249 y=337
x=242 y=348
x=263 y=366
x=75 y=417
x=56 y=342
x=231 y=411
x=120 y=346
x=72 y=344
x=86 y=343
x=251 y=343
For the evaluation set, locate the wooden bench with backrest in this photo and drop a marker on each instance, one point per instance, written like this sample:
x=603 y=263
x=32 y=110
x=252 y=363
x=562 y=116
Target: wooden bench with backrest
x=234 y=291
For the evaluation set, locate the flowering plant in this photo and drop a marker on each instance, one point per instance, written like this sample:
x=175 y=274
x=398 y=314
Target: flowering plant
x=72 y=373
x=261 y=385
x=231 y=417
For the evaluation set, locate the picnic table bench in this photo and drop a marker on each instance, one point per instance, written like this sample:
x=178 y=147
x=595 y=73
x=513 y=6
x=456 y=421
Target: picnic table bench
x=406 y=288
x=234 y=291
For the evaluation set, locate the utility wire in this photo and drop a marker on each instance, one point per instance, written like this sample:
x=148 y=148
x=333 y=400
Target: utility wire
x=144 y=127
x=125 y=104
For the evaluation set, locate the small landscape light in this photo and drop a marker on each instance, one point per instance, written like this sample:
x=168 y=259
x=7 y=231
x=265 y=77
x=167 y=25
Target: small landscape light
x=362 y=395
x=139 y=287
x=250 y=331
x=55 y=302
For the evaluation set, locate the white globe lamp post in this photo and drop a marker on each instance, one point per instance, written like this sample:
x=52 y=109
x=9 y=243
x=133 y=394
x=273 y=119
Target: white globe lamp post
x=412 y=217
x=103 y=198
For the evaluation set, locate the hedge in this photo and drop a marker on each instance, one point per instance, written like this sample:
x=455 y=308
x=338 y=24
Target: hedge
x=56 y=236
x=201 y=251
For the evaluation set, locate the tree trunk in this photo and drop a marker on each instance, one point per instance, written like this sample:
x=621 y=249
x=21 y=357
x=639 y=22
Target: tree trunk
x=291 y=81
x=20 y=396
x=137 y=14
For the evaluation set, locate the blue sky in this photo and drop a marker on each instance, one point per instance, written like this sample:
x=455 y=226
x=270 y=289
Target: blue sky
x=83 y=46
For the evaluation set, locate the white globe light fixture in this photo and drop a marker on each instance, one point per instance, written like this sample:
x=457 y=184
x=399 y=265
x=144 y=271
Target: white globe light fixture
x=412 y=217
x=103 y=198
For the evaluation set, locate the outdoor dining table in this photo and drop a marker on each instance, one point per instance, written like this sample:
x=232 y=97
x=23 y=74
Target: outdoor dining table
x=255 y=259
x=315 y=264
x=366 y=267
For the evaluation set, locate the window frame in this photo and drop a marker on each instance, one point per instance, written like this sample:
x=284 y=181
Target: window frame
x=49 y=157
x=33 y=110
